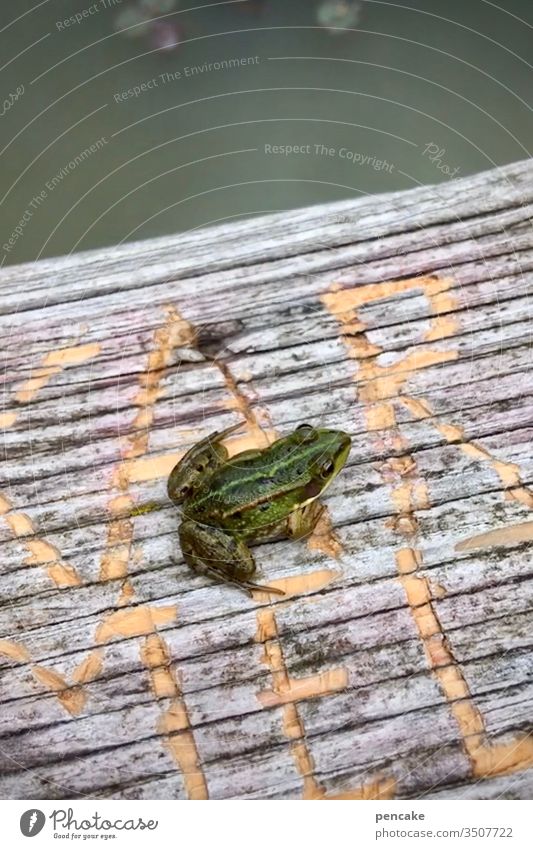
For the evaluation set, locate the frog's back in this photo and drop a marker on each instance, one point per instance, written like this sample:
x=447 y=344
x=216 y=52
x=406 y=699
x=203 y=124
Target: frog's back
x=249 y=480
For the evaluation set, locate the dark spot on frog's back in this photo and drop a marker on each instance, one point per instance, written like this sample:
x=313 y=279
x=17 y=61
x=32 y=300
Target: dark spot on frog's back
x=264 y=482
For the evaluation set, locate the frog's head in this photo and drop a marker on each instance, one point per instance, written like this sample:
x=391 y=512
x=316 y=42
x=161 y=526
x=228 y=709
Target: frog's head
x=320 y=454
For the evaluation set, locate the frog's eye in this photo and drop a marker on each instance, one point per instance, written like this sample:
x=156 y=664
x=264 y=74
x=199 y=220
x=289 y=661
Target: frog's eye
x=306 y=432
x=327 y=469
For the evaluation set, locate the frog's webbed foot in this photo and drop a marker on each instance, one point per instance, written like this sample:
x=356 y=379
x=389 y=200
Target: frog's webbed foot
x=213 y=552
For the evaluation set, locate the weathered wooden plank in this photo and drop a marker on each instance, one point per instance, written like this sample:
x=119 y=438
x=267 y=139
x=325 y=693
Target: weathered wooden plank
x=403 y=319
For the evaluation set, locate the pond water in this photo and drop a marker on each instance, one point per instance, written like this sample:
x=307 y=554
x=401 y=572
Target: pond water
x=133 y=119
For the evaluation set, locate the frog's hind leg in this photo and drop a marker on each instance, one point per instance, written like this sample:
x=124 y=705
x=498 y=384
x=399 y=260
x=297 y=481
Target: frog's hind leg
x=219 y=555
x=200 y=460
x=303 y=521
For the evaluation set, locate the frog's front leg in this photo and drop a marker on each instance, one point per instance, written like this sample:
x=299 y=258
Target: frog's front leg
x=302 y=522
x=211 y=551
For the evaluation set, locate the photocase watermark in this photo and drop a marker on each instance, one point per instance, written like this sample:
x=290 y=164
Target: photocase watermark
x=11 y=99
x=66 y=826
x=64 y=819
x=32 y=822
x=39 y=198
x=353 y=156
x=184 y=73
x=83 y=14
x=436 y=155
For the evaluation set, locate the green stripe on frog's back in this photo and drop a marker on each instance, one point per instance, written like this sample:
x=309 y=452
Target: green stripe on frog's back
x=281 y=469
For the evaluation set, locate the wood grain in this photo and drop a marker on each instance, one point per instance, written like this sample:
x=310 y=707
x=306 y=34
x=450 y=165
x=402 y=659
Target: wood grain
x=399 y=663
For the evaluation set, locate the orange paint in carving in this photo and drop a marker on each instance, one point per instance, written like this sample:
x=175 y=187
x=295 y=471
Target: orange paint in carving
x=387 y=381
x=287 y=692
x=174 y=719
x=286 y=689
x=5 y=504
x=497 y=759
x=182 y=747
x=63 y=575
x=88 y=669
x=503 y=758
x=175 y=332
x=174 y=722
x=114 y=564
x=410 y=496
x=14 y=651
x=297 y=689
x=135 y=622
x=323 y=537
x=267 y=628
x=120 y=504
x=522 y=495
x=508 y=473
x=380 y=384
x=8 y=419
x=72 y=356
x=442 y=327
x=151 y=468
x=155 y=656
x=509 y=535
x=52 y=364
x=380 y=417
x=306 y=767
x=383 y=788
x=42 y=553
x=127 y=593
x=299 y=584
x=293 y=727
x=437 y=289
x=31 y=386
x=71 y=698
x=20 y=524
x=49 y=679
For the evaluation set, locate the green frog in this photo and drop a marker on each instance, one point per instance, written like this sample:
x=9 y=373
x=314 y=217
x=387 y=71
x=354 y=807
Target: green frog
x=257 y=496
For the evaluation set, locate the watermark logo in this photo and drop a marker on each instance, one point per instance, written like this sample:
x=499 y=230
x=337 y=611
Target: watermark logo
x=40 y=197
x=11 y=99
x=437 y=156
x=32 y=822
x=352 y=156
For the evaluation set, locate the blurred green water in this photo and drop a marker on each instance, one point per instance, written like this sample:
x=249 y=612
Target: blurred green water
x=415 y=93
